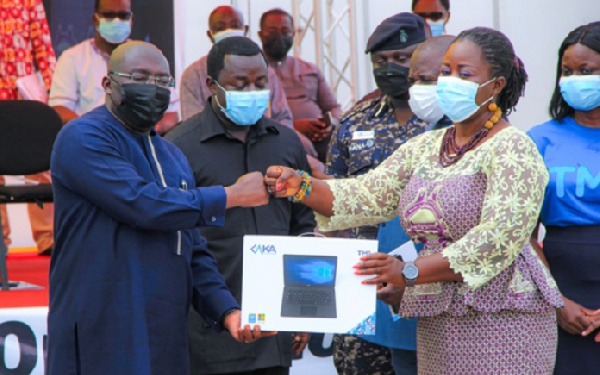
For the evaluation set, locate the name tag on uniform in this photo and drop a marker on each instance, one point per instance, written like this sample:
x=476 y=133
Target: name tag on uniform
x=361 y=135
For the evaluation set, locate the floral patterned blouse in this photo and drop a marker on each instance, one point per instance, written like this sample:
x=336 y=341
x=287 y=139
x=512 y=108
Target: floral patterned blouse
x=479 y=212
x=24 y=38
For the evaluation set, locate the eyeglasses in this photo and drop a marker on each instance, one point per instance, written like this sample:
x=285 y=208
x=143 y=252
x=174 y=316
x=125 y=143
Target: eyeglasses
x=119 y=15
x=140 y=77
x=432 y=15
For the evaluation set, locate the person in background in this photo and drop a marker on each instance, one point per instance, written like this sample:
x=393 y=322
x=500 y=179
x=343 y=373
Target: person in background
x=425 y=67
x=367 y=135
x=238 y=136
x=24 y=45
x=225 y=21
x=472 y=194
x=399 y=335
x=77 y=84
x=314 y=106
x=569 y=145
x=129 y=259
x=436 y=14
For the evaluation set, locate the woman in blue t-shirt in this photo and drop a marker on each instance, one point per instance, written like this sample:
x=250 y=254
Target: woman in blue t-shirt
x=570 y=146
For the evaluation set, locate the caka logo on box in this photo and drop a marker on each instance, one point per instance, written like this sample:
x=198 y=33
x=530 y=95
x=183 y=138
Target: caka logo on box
x=263 y=249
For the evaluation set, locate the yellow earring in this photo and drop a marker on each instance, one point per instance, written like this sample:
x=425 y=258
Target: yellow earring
x=493 y=107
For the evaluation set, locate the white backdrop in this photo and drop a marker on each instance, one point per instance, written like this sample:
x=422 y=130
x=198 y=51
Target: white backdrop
x=536 y=28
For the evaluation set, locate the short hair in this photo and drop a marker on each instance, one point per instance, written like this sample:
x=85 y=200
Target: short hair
x=217 y=9
x=277 y=12
x=589 y=36
x=445 y=4
x=438 y=43
x=96 y=5
x=236 y=46
x=497 y=50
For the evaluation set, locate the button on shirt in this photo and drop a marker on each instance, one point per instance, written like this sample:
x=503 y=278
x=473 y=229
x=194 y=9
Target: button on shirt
x=367 y=135
x=307 y=93
x=195 y=93
x=24 y=39
x=77 y=83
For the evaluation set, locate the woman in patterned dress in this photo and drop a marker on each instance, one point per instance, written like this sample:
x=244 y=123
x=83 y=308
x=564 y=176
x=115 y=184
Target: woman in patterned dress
x=485 y=301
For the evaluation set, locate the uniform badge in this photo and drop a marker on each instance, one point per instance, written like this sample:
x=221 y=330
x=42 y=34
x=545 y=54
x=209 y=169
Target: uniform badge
x=403 y=36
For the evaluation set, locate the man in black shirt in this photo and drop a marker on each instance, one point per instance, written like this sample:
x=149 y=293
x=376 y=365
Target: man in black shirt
x=227 y=140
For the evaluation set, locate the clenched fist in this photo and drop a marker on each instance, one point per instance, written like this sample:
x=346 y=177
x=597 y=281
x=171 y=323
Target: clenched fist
x=248 y=191
x=282 y=182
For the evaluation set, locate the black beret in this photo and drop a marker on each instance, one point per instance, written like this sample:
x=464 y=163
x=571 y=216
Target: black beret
x=397 y=32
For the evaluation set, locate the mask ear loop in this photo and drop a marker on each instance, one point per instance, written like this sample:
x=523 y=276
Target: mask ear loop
x=217 y=97
x=491 y=98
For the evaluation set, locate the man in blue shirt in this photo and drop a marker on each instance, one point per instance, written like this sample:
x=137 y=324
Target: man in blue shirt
x=129 y=259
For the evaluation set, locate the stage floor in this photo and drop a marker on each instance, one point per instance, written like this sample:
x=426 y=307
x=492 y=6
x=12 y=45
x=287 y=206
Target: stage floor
x=33 y=269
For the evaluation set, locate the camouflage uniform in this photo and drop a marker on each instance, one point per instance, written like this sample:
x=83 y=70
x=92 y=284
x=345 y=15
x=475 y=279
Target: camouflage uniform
x=354 y=151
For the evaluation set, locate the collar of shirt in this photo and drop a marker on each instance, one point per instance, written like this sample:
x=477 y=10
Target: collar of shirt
x=211 y=126
x=96 y=49
x=378 y=111
x=291 y=68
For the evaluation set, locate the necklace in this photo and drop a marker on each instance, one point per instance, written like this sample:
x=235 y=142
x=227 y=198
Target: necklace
x=450 y=152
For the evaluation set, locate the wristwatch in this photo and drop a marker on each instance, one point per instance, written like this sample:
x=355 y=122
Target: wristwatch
x=410 y=273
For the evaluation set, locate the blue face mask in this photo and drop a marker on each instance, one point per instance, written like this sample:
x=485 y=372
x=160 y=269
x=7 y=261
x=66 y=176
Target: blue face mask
x=244 y=107
x=581 y=92
x=114 y=30
x=437 y=27
x=456 y=97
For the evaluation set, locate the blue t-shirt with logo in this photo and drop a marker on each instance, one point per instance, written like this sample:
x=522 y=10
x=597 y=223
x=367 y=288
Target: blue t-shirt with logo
x=571 y=153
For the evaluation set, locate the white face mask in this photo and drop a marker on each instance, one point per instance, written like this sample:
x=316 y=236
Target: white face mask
x=220 y=35
x=423 y=102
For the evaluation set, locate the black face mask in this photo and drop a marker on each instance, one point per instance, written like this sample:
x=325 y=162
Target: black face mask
x=277 y=46
x=392 y=79
x=143 y=105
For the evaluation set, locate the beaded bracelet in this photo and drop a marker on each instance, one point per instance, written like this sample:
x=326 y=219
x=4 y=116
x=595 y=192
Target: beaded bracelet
x=305 y=188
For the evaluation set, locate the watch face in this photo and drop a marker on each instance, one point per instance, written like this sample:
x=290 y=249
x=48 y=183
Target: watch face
x=410 y=272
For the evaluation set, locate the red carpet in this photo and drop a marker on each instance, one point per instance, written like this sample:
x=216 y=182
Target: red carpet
x=30 y=268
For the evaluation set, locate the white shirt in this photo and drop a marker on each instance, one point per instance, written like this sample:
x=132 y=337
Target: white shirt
x=77 y=81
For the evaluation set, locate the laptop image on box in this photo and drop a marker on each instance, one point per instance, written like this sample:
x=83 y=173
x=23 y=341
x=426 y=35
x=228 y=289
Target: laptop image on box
x=309 y=286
